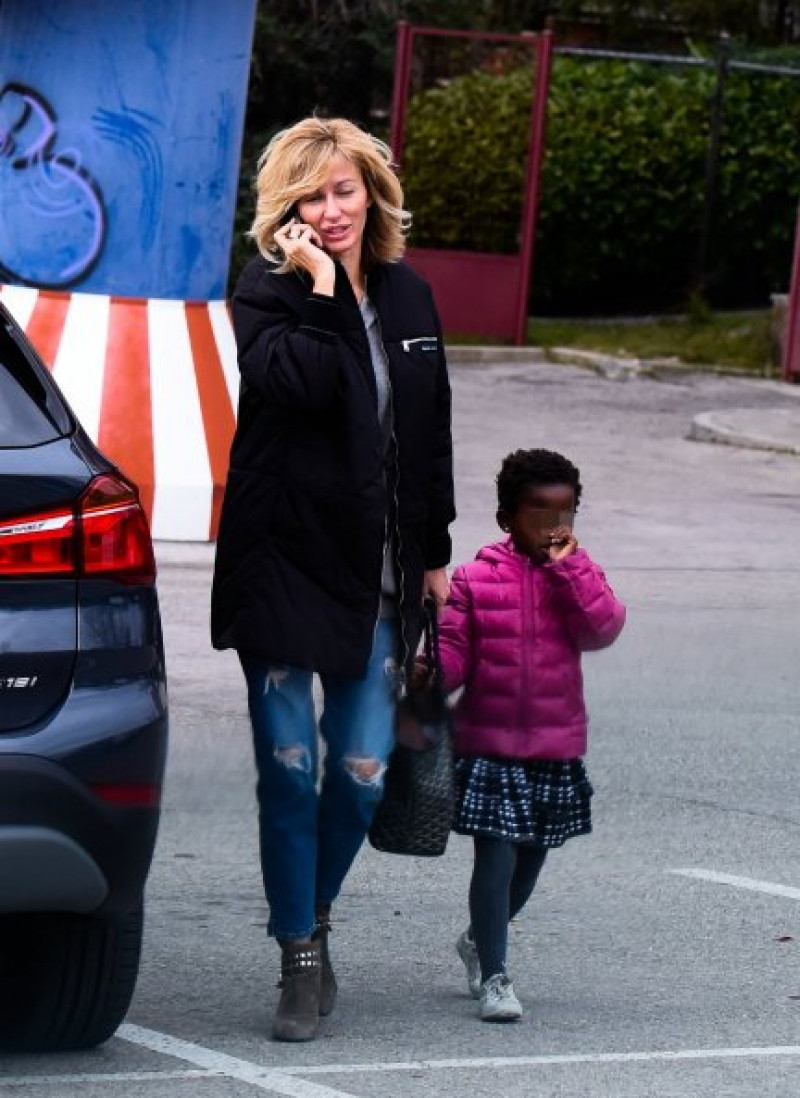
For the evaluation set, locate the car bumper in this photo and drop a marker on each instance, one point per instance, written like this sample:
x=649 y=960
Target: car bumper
x=62 y=848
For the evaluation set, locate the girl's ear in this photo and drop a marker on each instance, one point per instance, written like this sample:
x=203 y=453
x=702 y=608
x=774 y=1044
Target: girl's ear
x=502 y=519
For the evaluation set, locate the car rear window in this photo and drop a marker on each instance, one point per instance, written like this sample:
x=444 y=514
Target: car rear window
x=30 y=413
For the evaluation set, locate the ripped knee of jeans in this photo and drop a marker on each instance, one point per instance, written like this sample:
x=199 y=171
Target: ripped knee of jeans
x=296 y=757
x=365 y=770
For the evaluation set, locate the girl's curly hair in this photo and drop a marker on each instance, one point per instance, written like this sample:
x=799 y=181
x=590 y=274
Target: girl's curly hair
x=525 y=467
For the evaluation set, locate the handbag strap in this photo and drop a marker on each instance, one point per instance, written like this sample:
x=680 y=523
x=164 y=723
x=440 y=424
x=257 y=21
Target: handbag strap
x=430 y=626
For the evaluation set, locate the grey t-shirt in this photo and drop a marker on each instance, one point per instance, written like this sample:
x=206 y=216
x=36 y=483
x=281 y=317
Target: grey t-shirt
x=380 y=366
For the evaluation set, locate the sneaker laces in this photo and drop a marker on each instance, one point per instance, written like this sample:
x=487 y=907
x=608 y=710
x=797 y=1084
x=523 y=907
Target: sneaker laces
x=496 y=987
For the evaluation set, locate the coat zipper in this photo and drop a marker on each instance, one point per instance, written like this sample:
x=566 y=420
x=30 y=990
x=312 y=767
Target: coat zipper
x=527 y=612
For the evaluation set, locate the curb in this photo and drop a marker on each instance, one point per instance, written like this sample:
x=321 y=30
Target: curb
x=711 y=427
x=617 y=368
x=612 y=367
x=460 y=355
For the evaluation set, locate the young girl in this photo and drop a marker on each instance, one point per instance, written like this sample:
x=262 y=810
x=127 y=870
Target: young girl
x=512 y=633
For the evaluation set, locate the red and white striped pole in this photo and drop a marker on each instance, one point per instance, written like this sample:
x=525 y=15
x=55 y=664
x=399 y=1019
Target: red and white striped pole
x=154 y=383
x=120 y=144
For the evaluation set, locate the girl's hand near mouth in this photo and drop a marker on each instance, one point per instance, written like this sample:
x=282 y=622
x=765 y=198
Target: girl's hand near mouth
x=563 y=543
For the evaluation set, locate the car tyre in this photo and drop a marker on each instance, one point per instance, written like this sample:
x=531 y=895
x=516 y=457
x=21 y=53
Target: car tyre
x=66 y=981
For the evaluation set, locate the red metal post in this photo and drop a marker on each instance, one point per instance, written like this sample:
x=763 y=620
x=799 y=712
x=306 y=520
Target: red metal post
x=482 y=293
x=402 y=81
x=544 y=53
x=791 y=349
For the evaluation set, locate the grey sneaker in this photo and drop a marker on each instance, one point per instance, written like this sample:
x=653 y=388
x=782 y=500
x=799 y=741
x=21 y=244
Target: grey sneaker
x=467 y=951
x=498 y=1001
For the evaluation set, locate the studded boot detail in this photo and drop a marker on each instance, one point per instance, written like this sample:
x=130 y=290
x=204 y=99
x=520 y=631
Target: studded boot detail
x=328 y=988
x=297 y=1016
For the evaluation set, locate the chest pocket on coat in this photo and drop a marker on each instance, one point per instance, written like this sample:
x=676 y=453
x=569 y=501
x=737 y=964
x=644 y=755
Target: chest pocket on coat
x=425 y=344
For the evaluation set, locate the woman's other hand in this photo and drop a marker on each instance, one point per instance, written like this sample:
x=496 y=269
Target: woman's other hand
x=303 y=246
x=437 y=585
x=419 y=678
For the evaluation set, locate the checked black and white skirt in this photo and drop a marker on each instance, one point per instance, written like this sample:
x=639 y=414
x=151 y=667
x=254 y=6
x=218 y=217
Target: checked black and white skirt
x=541 y=801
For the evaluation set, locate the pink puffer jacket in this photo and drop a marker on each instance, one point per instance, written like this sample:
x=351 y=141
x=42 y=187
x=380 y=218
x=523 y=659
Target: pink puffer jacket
x=512 y=634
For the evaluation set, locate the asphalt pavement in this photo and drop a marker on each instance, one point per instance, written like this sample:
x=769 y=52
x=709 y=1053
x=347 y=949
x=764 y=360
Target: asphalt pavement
x=659 y=956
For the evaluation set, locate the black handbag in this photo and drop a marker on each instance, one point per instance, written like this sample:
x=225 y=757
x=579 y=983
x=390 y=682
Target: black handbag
x=416 y=812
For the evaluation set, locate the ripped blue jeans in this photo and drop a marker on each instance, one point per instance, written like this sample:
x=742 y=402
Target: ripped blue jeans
x=310 y=835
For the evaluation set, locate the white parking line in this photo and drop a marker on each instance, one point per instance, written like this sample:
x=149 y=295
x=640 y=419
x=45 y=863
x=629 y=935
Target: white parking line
x=257 y=1075
x=544 y=1060
x=285 y=1080
x=739 y=882
x=266 y=1077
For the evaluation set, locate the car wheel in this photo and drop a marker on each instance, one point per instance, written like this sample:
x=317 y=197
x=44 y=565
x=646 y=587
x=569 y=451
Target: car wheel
x=66 y=981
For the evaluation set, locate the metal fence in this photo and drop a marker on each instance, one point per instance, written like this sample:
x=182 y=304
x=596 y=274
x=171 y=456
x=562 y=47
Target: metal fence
x=723 y=64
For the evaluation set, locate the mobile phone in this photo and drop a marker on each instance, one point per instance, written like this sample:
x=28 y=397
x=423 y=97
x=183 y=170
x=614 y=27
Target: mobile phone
x=290 y=215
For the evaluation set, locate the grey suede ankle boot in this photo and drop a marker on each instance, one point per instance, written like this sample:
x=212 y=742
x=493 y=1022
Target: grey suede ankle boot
x=297 y=1016
x=328 y=988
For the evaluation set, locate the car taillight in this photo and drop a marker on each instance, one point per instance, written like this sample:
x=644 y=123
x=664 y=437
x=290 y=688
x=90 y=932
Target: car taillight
x=39 y=545
x=115 y=539
x=105 y=534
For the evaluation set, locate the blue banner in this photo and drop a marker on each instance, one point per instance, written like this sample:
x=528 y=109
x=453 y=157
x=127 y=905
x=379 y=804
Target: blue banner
x=120 y=140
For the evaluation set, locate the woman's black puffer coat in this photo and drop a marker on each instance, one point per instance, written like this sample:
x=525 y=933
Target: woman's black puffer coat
x=309 y=502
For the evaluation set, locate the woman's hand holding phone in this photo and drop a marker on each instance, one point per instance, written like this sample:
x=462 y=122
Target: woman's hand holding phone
x=303 y=246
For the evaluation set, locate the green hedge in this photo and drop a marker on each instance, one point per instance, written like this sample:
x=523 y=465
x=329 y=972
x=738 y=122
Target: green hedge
x=623 y=180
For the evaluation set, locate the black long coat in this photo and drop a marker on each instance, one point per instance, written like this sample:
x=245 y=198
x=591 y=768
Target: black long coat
x=309 y=503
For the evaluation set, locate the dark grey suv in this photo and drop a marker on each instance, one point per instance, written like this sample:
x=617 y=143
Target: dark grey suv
x=83 y=718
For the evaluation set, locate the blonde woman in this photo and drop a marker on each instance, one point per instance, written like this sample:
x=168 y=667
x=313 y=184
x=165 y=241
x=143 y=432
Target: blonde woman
x=335 y=519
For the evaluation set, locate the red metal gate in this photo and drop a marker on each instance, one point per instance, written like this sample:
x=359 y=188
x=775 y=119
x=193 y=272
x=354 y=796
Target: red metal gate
x=480 y=293
x=791 y=350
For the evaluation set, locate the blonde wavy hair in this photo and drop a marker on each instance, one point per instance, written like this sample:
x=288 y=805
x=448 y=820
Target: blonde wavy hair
x=295 y=164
